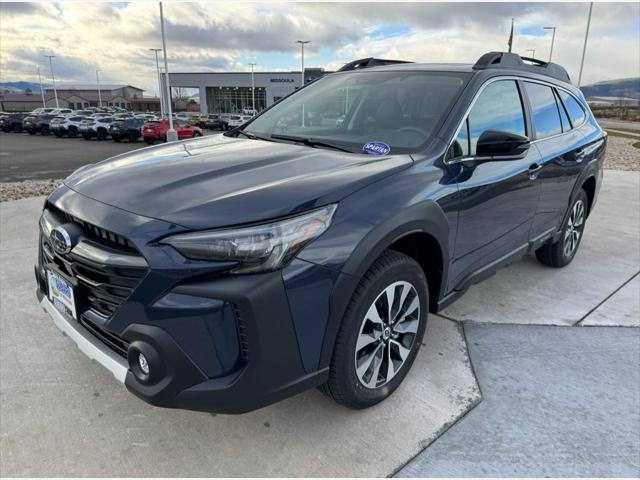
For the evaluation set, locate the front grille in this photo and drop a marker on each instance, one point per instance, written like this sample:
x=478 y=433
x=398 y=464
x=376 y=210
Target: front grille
x=100 y=287
x=95 y=233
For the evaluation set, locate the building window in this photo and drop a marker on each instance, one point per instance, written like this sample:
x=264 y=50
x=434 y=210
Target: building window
x=235 y=99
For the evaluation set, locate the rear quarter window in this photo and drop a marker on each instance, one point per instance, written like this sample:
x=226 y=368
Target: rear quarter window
x=575 y=111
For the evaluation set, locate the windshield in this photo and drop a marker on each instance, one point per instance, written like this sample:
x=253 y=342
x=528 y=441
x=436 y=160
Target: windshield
x=401 y=109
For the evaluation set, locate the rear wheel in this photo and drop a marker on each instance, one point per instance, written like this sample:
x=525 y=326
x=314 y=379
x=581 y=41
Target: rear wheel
x=44 y=130
x=196 y=134
x=381 y=332
x=102 y=134
x=149 y=140
x=561 y=252
x=17 y=129
x=73 y=132
x=133 y=137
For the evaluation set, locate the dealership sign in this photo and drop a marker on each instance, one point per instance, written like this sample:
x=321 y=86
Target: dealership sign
x=281 y=80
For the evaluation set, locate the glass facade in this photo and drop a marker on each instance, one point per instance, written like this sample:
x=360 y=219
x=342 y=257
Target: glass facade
x=235 y=99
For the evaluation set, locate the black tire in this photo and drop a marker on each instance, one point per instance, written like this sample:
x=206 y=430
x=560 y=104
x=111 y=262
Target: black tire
x=133 y=137
x=44 y=130
x=560 y=253
x=344 y=384
x=149 y=140
x=17 y=129
x=196 y=134
x=101 y=134
x=73 y=132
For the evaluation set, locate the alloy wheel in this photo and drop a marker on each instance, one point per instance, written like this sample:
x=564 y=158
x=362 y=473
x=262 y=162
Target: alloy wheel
x=387 y=334
x=573 y=229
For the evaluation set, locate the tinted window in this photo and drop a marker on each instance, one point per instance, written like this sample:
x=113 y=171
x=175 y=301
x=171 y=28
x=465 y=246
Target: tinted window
x=576 y=113
x=498 y=107
x=546 y=117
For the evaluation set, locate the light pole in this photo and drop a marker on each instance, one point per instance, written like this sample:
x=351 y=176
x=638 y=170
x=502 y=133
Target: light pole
x=53 y=78
x=253 y=90
x=156 y=50
x=553 y=39
x=533 y=52
x=99 y=94
x=302 y=44
x=171 y=133
x=584 y=48
x=44 y=103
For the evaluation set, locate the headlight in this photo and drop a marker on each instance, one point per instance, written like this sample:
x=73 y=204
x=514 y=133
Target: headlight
x=259 y=248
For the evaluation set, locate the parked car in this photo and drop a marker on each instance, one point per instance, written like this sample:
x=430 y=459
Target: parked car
x=157 y=130
x=41 y=110
x=130 y=129
x=227 y=273
x=224 y=120
x=95 y=127
x=213 y=121
x=12 y=122
x=237 y=120
x=69 y=125
x=37 y=123
x=61 y=111
x=197 y=120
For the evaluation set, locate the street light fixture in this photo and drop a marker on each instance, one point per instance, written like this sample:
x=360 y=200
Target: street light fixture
x=44 y=103
x=99 y=94
x=533 y=52
x=253 y=90
x=302 y=44
x=53 y=78
x=156 y=50
x=171 y=133
x=553 y=39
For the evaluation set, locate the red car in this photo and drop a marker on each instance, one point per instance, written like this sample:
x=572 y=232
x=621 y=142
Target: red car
x=157 y=130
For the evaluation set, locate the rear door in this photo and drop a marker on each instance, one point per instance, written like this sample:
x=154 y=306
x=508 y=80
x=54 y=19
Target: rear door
x=557 y=118
x=497 y=199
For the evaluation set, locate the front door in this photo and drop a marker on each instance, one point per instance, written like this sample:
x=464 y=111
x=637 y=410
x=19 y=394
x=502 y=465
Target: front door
x=497 y=199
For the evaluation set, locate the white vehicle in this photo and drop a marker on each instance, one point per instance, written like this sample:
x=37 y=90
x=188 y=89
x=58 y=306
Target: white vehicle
x=62 y=125
x=41 y=111
x=237 y=120
x=61 y=111
x=249 y=111
x=145 y=116
x=95 y=127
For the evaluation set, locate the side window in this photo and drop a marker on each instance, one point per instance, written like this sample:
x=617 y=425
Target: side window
x=564 y=118
x=546 y=117
x=575 y=111
x=498 y=107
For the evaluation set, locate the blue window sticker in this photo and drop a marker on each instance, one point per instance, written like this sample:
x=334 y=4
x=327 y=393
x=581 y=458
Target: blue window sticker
x=376 y=148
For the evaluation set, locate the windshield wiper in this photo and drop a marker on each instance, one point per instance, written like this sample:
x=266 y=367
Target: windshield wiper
x=252 y=136
x=310 y=142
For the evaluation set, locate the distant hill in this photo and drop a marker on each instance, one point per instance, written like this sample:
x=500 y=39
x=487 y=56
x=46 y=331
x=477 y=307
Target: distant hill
x=20 y=87
x=626 y=87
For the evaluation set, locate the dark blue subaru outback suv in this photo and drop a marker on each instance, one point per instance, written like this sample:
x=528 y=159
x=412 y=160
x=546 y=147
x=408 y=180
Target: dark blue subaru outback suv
x=307 y=247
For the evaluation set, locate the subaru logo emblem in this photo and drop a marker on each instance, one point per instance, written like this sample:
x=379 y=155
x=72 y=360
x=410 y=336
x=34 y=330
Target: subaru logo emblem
x=60 y=240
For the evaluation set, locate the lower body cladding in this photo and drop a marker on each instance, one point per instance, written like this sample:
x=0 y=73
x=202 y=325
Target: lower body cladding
x=226 y=344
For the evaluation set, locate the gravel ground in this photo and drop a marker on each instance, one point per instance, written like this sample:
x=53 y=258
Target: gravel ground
x=621 y=155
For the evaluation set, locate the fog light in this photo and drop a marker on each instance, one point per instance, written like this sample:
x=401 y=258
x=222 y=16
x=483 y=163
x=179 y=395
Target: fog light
x=143 y=364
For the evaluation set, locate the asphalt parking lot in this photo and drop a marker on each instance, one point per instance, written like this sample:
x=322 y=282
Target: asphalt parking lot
x=21 y=154
x=548 y=385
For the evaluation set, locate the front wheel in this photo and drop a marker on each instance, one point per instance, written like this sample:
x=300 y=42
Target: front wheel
x=73 y=131
x=196 y=134
x=102 y=134
x=149 y=140
x=381 y=332
x=133 y=137
x=561 y=252
x=44 y=131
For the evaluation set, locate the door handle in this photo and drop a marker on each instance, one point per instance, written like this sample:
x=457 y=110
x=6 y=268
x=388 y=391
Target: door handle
x=534 y=170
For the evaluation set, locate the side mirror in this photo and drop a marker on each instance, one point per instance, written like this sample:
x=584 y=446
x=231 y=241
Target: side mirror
x=501 y=145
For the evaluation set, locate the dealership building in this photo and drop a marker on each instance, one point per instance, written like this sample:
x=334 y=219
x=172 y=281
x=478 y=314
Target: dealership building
x=230 y=92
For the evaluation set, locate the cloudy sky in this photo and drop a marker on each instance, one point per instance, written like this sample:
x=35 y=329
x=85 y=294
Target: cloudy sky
x=115 y=37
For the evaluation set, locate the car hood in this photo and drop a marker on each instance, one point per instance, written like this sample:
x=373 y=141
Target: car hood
x=218 y=181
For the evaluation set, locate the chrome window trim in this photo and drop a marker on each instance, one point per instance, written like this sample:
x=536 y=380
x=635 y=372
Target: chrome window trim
x=515 y=78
